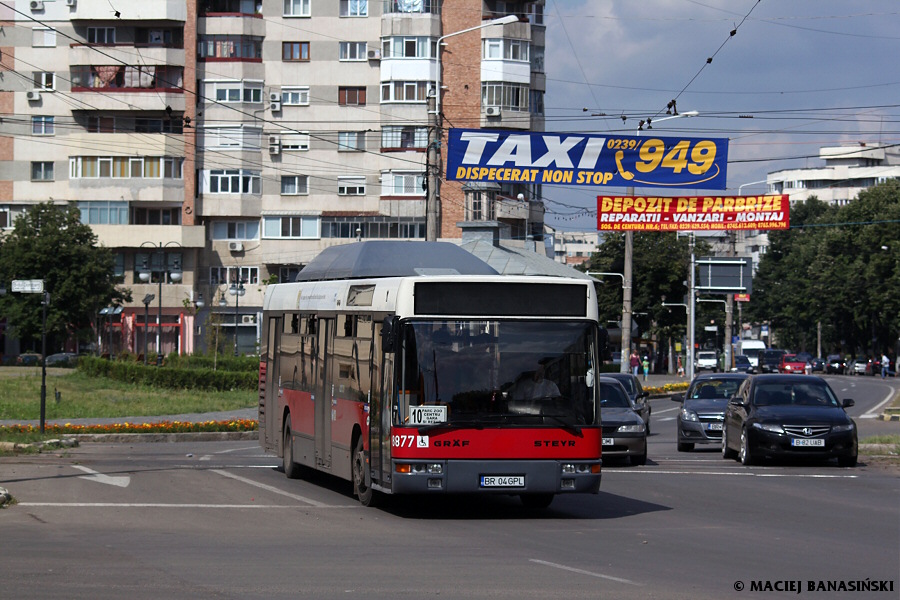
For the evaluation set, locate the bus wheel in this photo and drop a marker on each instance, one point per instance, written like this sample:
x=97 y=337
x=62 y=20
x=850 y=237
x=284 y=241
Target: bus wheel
x=358 y=466
x=536 y=500
x=291 y=469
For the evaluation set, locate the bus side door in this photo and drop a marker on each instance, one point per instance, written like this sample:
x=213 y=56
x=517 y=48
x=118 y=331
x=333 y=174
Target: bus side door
x=325 y=399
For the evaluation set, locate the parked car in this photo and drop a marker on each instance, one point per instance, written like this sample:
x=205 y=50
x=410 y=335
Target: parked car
x=835 y=364
x=29 y=359
x=706 y=360
x=742 y=364
x=788 y=415
x=62 y=359
x=703 y=409
x=860 y=365
x=791 y=363
x=818 y=365
x=624 y=432
x=770 y=360
x=636 y=394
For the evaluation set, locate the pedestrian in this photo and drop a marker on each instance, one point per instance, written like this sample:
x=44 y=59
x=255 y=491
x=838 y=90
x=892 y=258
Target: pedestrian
x=634 y=362
x=646 y=365
x=885 y=365
x=680 y=367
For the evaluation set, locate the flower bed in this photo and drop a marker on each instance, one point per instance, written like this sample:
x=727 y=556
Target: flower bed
x=667 y=389
x=161 y=427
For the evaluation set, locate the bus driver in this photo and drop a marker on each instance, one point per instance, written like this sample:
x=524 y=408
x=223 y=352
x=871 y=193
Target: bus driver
x=536 y=387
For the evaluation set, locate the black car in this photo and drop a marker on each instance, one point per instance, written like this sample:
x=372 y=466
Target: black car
x=835 y=365
x=742 y=364
x=818 y=365
x=770 y=360
x=624 y=432
x=703 y=408
x=636 y=393
x=788 y=415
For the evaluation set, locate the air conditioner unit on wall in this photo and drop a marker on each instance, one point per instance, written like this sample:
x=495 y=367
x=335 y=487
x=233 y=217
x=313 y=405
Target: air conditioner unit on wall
x=275 y=105
x=235 y=247
x=70 y=2
x=274 y=97
x=37 y=5
x=492 y=111
x=275 y=148
x=248 y=319
x=374 y=54
x=33 y=95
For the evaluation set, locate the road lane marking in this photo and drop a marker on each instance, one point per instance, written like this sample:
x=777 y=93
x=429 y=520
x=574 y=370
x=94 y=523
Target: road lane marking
x=155 y=505
x=659 y=412
x=92 y=475
x=871 y=412
x=664 y=419
x=272 y=489
x=734 y=474
x=583 y=572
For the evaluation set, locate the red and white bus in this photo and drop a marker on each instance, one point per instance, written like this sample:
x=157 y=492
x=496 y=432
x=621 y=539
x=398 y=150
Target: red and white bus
x=408 y=368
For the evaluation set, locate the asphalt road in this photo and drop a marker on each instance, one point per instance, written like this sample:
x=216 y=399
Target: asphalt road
x=218 y=520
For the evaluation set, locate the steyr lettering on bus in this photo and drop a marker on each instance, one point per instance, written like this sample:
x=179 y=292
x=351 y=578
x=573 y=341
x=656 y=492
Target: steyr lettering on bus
x=554 y=443
x=516 y=149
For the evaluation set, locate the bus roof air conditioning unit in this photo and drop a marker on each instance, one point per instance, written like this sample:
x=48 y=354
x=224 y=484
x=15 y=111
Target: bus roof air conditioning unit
x=235 y=247
x=374 y=54
x=492 y=111
x=37 y=5
x=33 y=95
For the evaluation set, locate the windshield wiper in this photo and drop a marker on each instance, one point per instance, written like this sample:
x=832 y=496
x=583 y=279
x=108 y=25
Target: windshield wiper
x=573 y=429
x=450 y=425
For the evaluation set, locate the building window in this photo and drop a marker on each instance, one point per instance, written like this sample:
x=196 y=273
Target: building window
x=536 y=102
x=297 y=96
x=354 y=8
x=174 y=125
x=235 y=230
x=506 y=49
x=403 y=184
x=101 y=124
x=43 y=37
x=294 y=185
x=508 y=96
x=351 y=186
x=404 y=137
x=156 y=216
x=104 y=213
x=5 y=221
x=296 y=8
x=295 y=142
x=351 y=141
x=353 y=50
x=123 y=167
x=101 y=35
x=287 y=274
x=237 y=91
x=413 y=6
x=537 y=59
x=294 y=51
x=42 y=171
x=42 y=126
x=479 y=206
x=45 y=80
x=232 y=137
x=404 y=91
x=373 y=227
x=232 y=181
x=237 y=47
x=352 y=96
x=220 y=275
x=291 y=227
x=409 y=47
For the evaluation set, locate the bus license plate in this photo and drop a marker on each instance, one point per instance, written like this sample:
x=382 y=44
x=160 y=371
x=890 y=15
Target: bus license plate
x=804 y=442
x=608 y=442
x=502 y=481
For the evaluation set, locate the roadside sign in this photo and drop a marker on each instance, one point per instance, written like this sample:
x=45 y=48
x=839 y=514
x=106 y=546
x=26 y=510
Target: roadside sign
x=28 y=286
x=742 y=297
x=710 y=328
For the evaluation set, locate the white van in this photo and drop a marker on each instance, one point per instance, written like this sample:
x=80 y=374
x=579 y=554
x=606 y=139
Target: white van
x=751 y=349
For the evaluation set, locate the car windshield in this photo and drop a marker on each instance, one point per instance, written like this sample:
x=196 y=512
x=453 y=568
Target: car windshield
x=714 y=388
x=790 y=358
x=627 y=383
x=499 y=371
x=799 y=394
x=706 y=355
x=741 y=360
x=611 y=396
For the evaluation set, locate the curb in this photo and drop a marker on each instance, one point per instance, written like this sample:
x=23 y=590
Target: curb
x=203 y=436
x=887 y=417
x=878 y=449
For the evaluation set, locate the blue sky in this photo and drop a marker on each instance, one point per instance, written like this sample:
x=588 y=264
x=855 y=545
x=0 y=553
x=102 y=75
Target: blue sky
x=810 y=73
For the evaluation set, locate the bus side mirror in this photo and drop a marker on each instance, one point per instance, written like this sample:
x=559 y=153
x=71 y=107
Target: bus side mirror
x=388 y=334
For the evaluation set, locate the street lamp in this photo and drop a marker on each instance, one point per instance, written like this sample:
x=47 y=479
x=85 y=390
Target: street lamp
x=433 y=168
x=237 y=290
x=146 y=301
x=145 y=276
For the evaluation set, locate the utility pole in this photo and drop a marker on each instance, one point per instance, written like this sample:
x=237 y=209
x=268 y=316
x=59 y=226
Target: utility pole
x=433 y=171
x=729 y=313
x=627 y=285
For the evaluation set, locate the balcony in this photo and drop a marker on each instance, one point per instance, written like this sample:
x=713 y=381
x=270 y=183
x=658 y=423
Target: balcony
x=131 y=236
x=151 y=54
x=144 y=87
x=145 y=10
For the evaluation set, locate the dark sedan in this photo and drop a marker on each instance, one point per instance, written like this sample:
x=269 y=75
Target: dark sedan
x=788 y=415
x=636 y=393
x=624 y=432
x=703 y=408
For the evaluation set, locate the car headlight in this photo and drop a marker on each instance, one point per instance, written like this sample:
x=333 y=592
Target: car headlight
x=637 y=428
x=688 y=415
x=767 y=427
x=840 y=428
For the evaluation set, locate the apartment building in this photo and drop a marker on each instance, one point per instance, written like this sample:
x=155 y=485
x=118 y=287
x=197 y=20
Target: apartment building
x=219 y=145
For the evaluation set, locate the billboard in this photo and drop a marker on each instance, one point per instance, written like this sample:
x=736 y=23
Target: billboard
x=725 y=275
x=586 y=159
x=692 y=213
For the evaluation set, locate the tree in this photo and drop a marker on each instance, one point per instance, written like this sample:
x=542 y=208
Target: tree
x=49 y=242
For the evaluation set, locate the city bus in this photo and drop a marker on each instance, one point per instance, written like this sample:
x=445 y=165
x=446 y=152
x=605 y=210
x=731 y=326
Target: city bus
x=415 y=368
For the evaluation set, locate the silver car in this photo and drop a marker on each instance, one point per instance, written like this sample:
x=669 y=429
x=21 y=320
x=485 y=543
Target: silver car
x=624 y=432
x=703 y=409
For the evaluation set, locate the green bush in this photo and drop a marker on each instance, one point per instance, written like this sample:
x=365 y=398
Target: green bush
x=172 y=377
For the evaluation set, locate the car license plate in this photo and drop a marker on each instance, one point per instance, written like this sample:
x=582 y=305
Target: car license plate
x=714 y=427
x=608 y=442
x=805 y=442
x=502 y=481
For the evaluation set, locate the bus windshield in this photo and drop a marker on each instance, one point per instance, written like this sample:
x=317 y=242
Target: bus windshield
x=494 y=373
